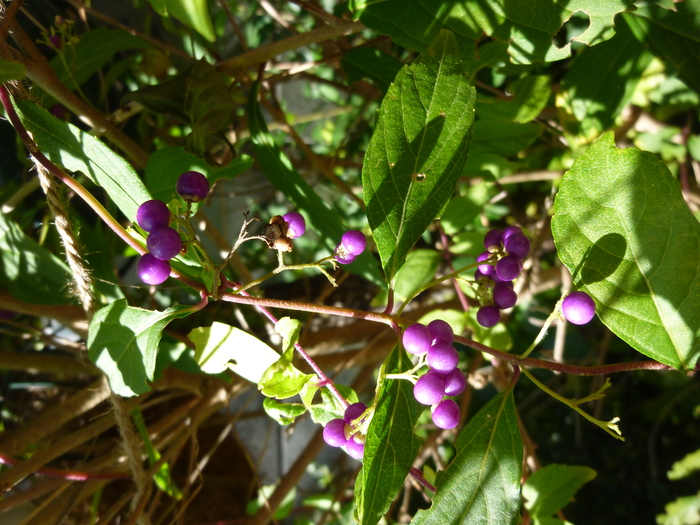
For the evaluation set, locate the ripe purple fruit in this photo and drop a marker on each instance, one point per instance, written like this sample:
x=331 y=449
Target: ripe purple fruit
x=296 y=224
x=492 y=240
x=164 y=243
x=488 y=316
x=510 y=230
x=485 y=269
x=455 y=382
x=153 y=215
x=192 y=186
x=578 y=308
x=355 y=449
x=508 y=268
x=416 y=339
x=334 y=433
x=442 y=358
x=354 y=411
x=354 y=242
x=56 y=41
x=429 y=389
x=504 y=296
x=446 y=414
x=517 y=245
x=342 y=256
x=152 y=270
x=441 y=332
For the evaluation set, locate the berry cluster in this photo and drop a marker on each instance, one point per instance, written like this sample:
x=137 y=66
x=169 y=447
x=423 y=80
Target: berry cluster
x=164 y=242
x=352 y=244
x=444 y=379
x=509 y=246
x=343 y=432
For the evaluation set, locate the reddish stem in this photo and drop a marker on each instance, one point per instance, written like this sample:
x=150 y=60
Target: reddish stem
x=418 y=476
x=71 y=475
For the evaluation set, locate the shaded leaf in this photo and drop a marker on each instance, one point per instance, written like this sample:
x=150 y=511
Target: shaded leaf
x=167 y=96
x=11 y=71
x=123 y=343
x=419 y=270
x=194 y=14
x=503 y=138
x=372 y=64
x=417 y=150
x=391 y=446
x=76 y=150
x=30 y=272
x=220 y=346
x=622 y=228
x=529 y=98
x=551 y=488
x=482 y=483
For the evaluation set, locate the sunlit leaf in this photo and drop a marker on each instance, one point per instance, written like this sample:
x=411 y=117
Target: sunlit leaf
x=283 y=413
x=551 y=488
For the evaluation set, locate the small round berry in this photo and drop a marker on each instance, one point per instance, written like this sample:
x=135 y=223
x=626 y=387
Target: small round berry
x=517 y=245
x=56 y=41
x=192 y=186
x=442 y=358
x=416 y=339
x=488 y=316
x=334 y=433
x=297 y=224
x=485 y=269
x=151 y=270
x=355 y=449
x=510 y=230
x=504 y=296
x=354 y=411
x=578 y=308
x=429 y=388
x=342 y=256
x=492 y=240
x=164 y=243
x=508 y=268
x=441 y=332
x=153 y=215
x=354 y=242
x=446 y=414
x=455 y=382
x=59 y=111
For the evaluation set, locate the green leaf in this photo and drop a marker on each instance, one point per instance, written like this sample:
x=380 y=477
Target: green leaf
x=283 y=413
x=76 y=150
x=418 y=271
x=527 y=27
x=391 y=446
x=166 y=165
x=593 y=102
x=551 y=488
x=503 y=138
x=672 y=35
x=279 y=170
x=123 y=343
x=162 y=477
x=282 y=380
x=459 y=212
x=285 y=507
x=168 y=96
x=417 y=151
x=482 y=483
x=496 y=337
x=686 y=466
x=330 y=407
x=220 y=346
x=290 y=330
x=622 y=228
x=683 y=511
x=77 y=63
x=457 y=319
x=192 y=13
x=372 y=64
x=11 y=71
x=28 y=271
x=530 y=96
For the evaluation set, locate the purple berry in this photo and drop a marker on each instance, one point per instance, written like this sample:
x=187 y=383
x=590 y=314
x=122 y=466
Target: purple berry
x=455 y=382
x=152 y=270
x=354 y=411
x=442 y=358
x=192 y=186
x=354 y=242
x=508 y=268
x=153 y=215
x=492 y=240
x=59 y=111
x=517 y=245
x=578 y=308
x=56 y=41
x=416 y=339
x=446 y=414
x=510 y=230
x=355 y=449
x=164 y=243
x=342 y=256
x=441 y=332
x=429 y=389
x=297 y=224
x=485 y=269
x=334 y=433
x=504 y=296
x=488 y=316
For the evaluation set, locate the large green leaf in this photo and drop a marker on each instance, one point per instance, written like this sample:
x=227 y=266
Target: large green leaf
x=594 y=101
x=281 y=173
x=482 y=483
x=11 y=71
x=622 y=228
x=529 y=98
x=75 y=150
x=123 y=343
x=503 y=138
x=192 y=13
x=391 y=446
x=551 y=488
x=28 y=271
x=366 y=62
x=417 y=151
x=528 y=27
